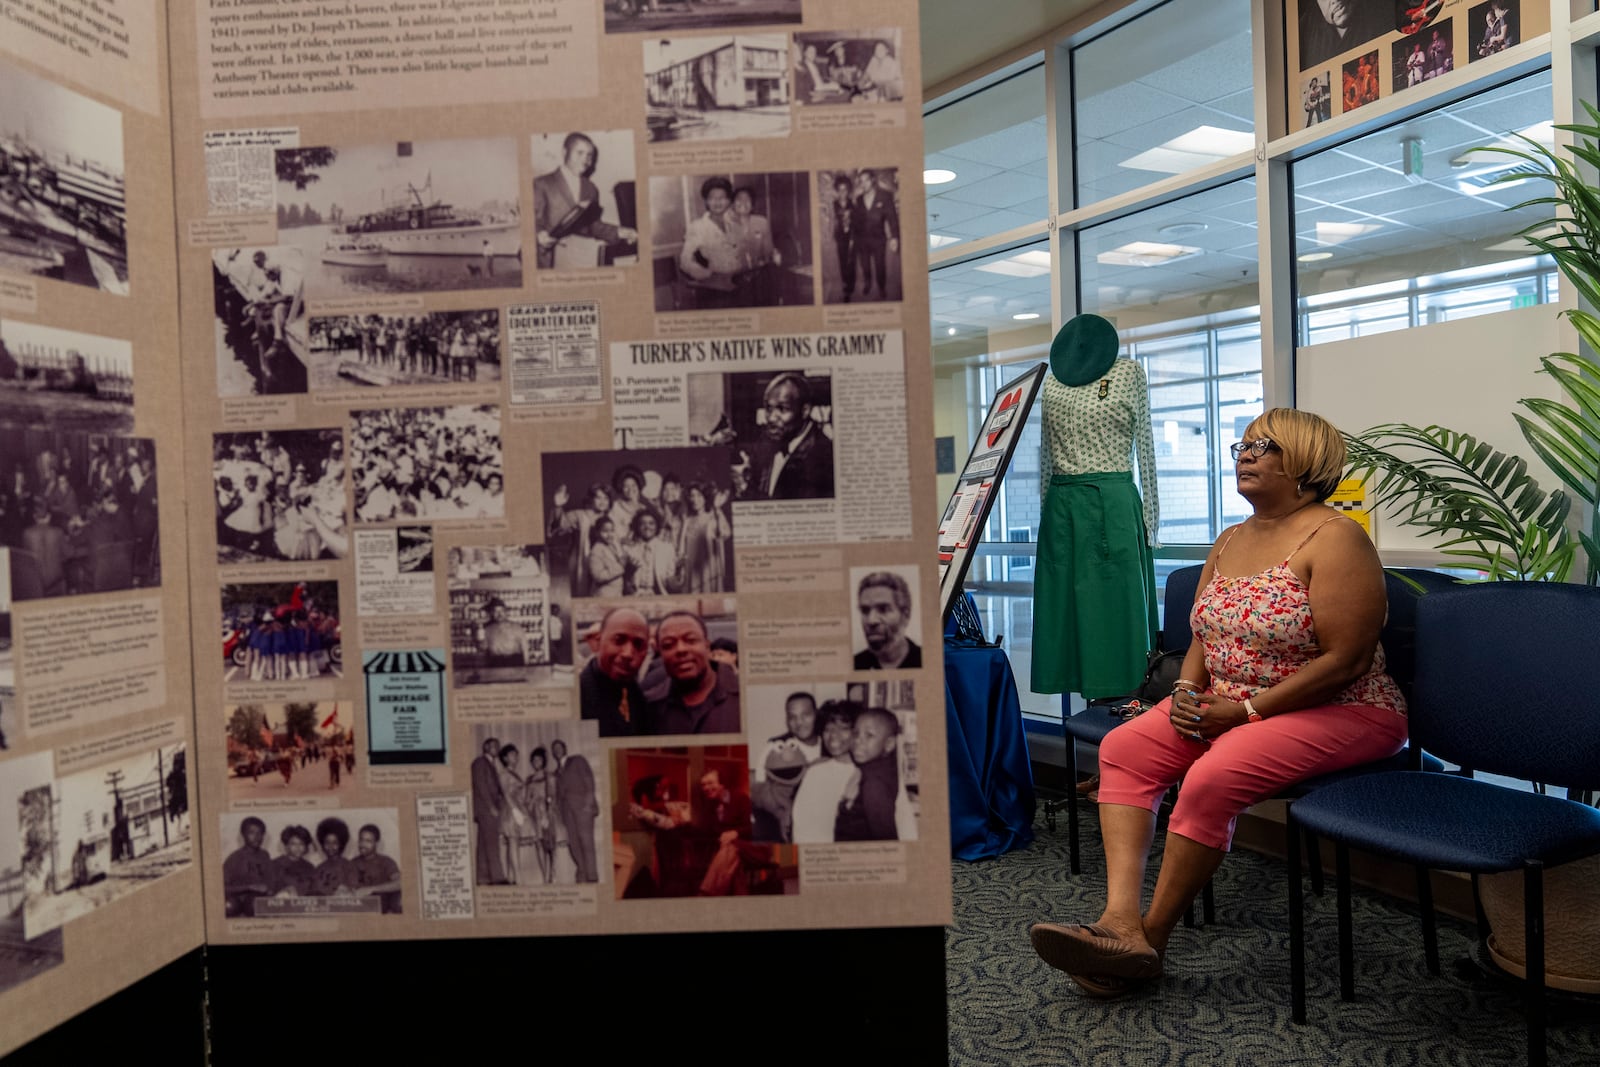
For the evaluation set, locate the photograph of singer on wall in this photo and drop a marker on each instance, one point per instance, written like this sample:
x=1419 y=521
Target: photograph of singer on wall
x=585 y=210
x=734 y=240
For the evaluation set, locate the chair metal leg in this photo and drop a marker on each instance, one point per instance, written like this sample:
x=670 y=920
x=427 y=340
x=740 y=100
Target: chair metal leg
x=1072 y=804
x=1297 y=935
x=1188 y=917
x=1314 y=861
x=1208 y=905
x=1347 y=955
x=1430 y=930
x=1533 y=933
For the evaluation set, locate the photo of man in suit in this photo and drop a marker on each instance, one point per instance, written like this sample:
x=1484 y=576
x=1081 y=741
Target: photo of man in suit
x=877 y=234
x=567 y=203
x=577 y=807
x=487 y=804
x=798 y=464
x=1330 y=27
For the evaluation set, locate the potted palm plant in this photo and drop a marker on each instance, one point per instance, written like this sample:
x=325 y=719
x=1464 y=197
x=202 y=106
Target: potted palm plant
x=1491 y=515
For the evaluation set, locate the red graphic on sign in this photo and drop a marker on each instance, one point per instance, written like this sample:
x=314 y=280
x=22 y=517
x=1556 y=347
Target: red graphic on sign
x=1008 y=401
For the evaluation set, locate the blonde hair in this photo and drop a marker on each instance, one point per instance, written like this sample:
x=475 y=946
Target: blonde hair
x=1312 y=447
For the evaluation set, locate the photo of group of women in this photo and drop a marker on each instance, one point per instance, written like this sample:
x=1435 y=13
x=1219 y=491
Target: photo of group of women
x=430 y=348
x=305 y=749
x=78 y=512
x=652 y=668
x=324 y=863
x=838 y=763
x=280 y=495
x=735 y=240
x=648 y=522
x=258 y=297
x=281 y=632
x=427 y=463
x=682 y=827
x=779 y=425
x=536 y=789
x=503 y=628
x=848 y=67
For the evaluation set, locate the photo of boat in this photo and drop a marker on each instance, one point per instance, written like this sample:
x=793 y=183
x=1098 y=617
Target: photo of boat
x=402 y=216
x=428 y=227
x=353 y=250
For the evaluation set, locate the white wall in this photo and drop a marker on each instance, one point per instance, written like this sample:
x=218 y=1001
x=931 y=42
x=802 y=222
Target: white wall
x=1466 y=375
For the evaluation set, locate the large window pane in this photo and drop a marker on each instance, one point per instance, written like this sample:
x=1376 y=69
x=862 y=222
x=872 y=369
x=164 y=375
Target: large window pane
x=1405 y=226
x=1166 y=93
x=1181 y=284
x=985 y=156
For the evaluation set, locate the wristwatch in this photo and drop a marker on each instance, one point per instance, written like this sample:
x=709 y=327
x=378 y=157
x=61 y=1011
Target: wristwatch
x=1250 y=711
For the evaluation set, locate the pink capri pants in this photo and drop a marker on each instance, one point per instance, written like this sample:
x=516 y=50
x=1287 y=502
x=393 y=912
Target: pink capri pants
x=1142 y=759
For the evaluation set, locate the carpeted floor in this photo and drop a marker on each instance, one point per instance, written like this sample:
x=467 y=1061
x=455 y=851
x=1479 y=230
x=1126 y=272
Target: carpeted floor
x=1225 y=998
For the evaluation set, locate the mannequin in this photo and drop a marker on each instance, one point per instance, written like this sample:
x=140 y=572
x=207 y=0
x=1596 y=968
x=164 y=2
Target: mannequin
x=1094 y=615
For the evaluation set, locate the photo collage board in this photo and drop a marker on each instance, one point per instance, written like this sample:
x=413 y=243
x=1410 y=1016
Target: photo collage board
x=562 y=529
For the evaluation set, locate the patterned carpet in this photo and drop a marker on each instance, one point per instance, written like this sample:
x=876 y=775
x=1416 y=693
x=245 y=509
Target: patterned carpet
x=1225 y=998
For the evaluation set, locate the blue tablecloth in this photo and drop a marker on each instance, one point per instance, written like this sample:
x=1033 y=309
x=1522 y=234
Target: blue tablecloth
x=991 y=781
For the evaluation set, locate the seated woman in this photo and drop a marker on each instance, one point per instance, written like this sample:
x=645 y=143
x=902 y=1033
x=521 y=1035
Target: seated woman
x=1285 y=680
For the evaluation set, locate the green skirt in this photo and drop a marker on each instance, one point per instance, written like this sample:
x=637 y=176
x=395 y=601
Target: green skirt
x=1094 y=588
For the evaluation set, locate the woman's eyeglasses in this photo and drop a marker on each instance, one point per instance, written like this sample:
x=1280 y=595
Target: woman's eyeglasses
x=1257 y=448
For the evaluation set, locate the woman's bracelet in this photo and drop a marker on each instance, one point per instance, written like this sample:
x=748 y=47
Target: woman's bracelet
x=1184 y=685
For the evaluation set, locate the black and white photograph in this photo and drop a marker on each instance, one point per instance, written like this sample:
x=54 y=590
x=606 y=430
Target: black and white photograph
x=859 y=212
x=848 y=67
x=536 y=789
x=402 y=217
x=653 y=16
x=305 y=750
x=885 y=628
x=778 y=424
x=8 y=660
x=1494 y=27
x=99 y=834
x=258 y=301
x=585 y=199
x=825 y=742
x=427 y=463
x=63 y=194
x=501 y=626
x=682 y=827
x=21 y=957
x=280 y=495
x=281 y=632
x=644 y=522
x=1330 y=28
x=66 y=379
x=717 y=88
x=79 y=512
x=318 y=863
x=1316 y=98
x=658 y=667
x=419 y=349
x=731 y=240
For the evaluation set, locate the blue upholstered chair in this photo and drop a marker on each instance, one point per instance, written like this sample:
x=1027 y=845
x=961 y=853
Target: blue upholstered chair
x=1497 y=689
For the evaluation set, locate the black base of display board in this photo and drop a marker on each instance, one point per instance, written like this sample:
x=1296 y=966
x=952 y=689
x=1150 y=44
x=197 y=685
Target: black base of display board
x=877 y=995
x=158 y=1019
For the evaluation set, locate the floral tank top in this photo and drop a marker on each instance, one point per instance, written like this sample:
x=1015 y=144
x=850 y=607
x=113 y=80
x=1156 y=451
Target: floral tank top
x=1257 y=630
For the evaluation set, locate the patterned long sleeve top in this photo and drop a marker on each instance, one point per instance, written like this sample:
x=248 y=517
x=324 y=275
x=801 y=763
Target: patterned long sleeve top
x=1085 y=432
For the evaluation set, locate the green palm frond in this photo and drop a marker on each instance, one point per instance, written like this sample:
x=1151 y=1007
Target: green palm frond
x=1488 y=510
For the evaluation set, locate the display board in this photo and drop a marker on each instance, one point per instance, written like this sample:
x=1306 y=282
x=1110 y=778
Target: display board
x=548 y=393
x=966 y=513
x=1344 y=56
x=99 y=858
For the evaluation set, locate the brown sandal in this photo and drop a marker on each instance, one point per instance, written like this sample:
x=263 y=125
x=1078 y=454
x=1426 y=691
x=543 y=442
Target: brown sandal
x=1107 y=986
x=1093 y=950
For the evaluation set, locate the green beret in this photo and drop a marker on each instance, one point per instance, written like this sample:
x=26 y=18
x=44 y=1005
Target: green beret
x=1083 y=350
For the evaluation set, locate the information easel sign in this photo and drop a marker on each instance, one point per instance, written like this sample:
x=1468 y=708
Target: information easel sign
x=967 y=511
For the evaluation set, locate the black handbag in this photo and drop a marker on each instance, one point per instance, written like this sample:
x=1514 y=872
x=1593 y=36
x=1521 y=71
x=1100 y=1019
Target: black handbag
x=1162 y=669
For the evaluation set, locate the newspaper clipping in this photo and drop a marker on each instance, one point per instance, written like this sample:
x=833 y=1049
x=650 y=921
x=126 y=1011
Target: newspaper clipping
x=554 y=352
